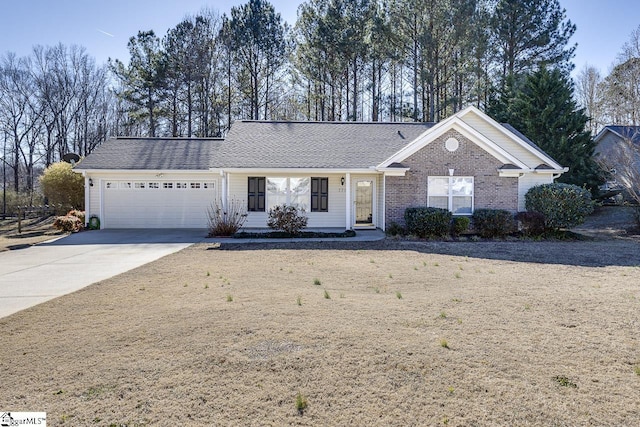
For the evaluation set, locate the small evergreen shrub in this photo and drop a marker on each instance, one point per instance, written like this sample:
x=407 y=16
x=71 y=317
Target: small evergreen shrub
x=532 y=223
x=395 y=229
x=68 y=223
x=287 y=218
x=493 y=222
x=426 y=222
x=459 y=225
x=563 y=205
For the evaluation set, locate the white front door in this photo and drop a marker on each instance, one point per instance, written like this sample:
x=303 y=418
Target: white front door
x=364 y=203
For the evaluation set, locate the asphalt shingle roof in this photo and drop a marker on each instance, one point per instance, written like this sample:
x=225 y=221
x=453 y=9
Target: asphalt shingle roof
x=632 y=132
x=257 y=144
x=153 y=153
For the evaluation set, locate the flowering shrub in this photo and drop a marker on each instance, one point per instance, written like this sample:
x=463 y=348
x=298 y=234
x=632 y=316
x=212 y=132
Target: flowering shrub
x=287 y=218
x=226 y=222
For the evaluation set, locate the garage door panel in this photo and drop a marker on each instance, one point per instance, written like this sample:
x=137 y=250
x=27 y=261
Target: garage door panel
x=129 y=207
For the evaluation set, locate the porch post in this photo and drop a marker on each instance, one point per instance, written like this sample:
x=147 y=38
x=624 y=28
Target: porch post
x=347 y=183
x=383 y=222
x=87 y=199
x=223 y=190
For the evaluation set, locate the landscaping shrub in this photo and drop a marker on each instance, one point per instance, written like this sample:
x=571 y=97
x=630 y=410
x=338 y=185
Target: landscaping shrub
x=562 y=205
x=425 y=222
x=459 y=225
x=77 y=213
x=226 y=222
x=395 y=229
x=287 y=218
x=68 y=223
x=63 y=187
x=532 y=223
x=493 y=222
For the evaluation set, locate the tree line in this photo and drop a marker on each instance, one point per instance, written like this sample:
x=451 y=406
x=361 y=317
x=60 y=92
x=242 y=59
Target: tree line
x=364 y=60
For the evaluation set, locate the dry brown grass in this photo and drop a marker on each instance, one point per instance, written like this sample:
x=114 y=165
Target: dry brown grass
x=33 y=231
x=163 y=345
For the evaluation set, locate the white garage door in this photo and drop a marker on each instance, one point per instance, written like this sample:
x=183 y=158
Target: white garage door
x=157 y=204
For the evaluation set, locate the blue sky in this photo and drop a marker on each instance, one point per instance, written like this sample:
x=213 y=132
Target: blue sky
x=104 y=27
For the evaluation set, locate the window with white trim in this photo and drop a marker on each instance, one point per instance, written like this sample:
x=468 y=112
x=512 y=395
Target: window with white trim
x=154 y=185
x=290 y=191
x=195 y=185
x=167 y=185
x=140 y=185
x=454 y=193
x=181 y=185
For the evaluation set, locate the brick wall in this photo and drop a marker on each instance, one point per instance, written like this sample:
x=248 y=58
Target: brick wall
x=490 y=191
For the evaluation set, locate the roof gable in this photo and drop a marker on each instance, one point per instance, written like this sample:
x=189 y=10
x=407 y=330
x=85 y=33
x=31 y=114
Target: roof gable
x=514 y=148
x=623 y=132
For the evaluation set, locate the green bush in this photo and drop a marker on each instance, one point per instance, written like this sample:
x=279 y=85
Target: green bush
x=426 y=222
x=493 y=222
x=395 y=229
x=459 y=225
x=562 y=205
x=287 y=218
x=68 y=223
x=532 y=223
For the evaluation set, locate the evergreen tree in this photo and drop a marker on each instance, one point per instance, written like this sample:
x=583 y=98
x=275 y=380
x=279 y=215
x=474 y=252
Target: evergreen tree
x=255 y=34
x=545 y=111
x=144 y=78
x=530 y=33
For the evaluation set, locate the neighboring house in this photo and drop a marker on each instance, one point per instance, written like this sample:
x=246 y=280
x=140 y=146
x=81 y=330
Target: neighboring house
x=614 y=151
x=345 y=174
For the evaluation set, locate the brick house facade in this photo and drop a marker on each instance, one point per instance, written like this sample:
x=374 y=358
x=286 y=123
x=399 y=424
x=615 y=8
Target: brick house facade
x=469 y=160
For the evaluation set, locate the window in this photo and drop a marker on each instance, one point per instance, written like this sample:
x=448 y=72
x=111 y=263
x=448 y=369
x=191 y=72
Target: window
x=108 y=185
x=208 y=185
x=256 y=196
x=181 y=185
x=139 y=185
x=167 y=185
x=289 y=191
x=319 y=194
x=454 y=193
x=154 y=185
x=126 y=185
x=195 y=185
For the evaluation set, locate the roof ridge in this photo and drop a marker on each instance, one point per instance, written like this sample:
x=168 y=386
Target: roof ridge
x=332 y=122
x=169 y=138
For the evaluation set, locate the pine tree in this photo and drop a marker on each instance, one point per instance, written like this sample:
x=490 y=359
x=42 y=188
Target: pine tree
x=545 y=111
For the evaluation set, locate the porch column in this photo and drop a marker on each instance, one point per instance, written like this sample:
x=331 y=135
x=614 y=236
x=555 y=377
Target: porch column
x=87 y=199
x=347 y=183
x=223 y=190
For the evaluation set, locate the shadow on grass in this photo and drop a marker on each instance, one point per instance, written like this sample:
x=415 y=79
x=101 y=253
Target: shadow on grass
x=587 y=253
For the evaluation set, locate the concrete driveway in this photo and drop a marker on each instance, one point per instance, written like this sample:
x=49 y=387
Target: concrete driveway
x=42 y=272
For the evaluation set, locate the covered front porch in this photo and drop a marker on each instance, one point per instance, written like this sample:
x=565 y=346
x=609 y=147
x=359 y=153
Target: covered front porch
x=345 y=200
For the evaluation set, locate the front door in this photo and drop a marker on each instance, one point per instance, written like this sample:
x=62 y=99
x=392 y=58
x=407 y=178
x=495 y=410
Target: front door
x=364 y=203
